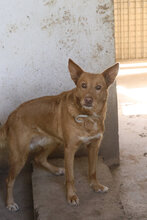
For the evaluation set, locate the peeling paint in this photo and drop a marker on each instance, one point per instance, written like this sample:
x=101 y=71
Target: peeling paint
x=55 y=19
x=78 y=24
x=12 y=28
x=101 y=9
x=108 y=18
x=99 y=47
x=49 y=2
x=97 y=51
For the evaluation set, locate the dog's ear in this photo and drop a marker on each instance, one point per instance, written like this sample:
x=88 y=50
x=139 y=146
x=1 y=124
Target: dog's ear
x=75 y=71
x=110 y=74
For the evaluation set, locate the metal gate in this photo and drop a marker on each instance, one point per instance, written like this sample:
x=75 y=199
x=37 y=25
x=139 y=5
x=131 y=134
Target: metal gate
x=130 y=29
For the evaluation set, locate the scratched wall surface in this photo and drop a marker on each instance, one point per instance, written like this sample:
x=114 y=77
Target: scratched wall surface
x=38 y=37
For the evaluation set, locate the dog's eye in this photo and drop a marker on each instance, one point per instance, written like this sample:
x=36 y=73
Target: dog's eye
x=98 y=87
x=84 y=85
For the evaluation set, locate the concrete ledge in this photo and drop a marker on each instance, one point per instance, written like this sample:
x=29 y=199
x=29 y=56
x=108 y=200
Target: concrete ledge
x=49 y=195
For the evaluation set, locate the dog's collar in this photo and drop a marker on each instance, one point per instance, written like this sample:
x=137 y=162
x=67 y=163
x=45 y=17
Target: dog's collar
x=91 y=118
x=80 y=116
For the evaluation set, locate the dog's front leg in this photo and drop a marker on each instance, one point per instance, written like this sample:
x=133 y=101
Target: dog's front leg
x=93 y=149
x=69 y=154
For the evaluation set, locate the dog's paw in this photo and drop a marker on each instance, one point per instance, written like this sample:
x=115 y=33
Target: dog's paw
x=13 y=207
x=60 y=172
x=99 y=188
x=104 y=190
x=73 y=200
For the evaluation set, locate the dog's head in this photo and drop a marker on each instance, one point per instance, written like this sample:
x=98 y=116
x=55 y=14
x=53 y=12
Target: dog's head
x=91 y=89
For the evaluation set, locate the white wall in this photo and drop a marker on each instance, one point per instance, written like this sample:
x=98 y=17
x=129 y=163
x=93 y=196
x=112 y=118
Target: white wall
x=38 y=36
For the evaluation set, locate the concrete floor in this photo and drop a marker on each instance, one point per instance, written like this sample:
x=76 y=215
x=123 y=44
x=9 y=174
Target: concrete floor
x=22 y=193
x=50 y=198
x=132 y=172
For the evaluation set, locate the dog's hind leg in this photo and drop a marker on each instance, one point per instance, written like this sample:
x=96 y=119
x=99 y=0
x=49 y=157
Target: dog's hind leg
x=15 y=168
x=18 y=158
x=41 y=159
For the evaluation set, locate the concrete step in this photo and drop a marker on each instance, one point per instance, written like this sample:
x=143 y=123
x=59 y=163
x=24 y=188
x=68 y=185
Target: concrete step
x=49 y=195
x=22 y=193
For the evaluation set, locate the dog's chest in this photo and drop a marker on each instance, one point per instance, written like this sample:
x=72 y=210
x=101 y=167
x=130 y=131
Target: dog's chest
x=88 y=139
x=90 y=130
x=88 y=123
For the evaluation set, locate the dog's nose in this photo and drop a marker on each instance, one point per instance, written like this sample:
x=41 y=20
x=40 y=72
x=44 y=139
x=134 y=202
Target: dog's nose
x=88 y=101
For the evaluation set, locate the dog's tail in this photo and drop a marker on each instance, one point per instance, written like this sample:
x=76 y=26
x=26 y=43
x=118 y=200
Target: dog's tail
x=3 y=136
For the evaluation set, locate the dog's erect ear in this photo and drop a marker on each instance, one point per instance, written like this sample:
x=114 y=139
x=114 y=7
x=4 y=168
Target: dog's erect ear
x=110 y=74
x=75 y=71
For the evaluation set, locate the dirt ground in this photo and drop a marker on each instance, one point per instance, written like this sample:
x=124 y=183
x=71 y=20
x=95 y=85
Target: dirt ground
x=132 y=172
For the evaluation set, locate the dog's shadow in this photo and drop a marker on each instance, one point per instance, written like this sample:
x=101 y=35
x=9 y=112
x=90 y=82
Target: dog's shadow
x=22 y=194
x=3 y=176
x=55 y=183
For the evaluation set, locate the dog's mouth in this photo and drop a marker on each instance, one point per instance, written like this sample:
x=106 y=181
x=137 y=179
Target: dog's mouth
x=88 y=102
x=87 y=106
x=83 y=104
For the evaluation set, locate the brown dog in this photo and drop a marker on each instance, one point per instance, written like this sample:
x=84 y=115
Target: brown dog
x=71 y=118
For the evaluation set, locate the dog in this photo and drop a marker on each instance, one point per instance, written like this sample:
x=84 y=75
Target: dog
x=69 y=119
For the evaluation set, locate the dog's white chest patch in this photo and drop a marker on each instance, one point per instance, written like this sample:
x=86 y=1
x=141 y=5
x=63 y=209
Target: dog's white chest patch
x=39 y=141
x=90 y=138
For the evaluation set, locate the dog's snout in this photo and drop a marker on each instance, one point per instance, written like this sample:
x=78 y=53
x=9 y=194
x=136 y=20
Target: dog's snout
x=88 y=101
